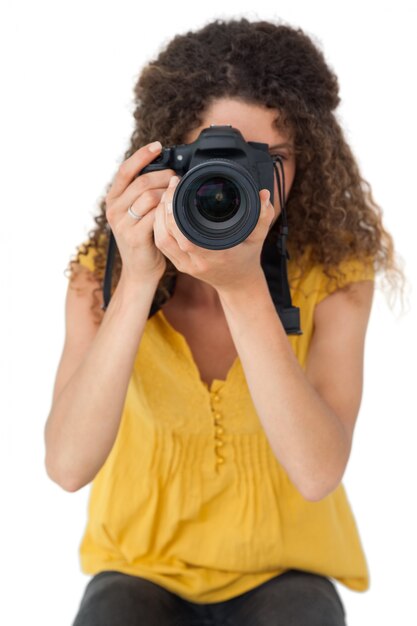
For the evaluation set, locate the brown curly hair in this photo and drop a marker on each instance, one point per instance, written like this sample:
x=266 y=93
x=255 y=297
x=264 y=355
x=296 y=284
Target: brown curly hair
x=331 y=211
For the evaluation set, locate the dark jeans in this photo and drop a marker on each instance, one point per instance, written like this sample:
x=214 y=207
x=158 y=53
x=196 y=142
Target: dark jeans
x=294 y=598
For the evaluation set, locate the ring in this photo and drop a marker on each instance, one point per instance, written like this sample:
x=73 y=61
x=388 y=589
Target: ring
x=133 y=214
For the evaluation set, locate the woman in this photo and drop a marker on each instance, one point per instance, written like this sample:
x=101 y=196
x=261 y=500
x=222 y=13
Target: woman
x=216 y=442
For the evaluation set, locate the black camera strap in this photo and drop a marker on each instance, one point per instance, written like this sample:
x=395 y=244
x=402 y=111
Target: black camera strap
x=273 y=260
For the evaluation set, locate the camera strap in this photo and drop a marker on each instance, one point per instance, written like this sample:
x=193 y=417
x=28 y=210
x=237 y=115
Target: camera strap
x=274 y=263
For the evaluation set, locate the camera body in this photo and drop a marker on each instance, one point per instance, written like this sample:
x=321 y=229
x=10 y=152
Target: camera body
x=216 y=203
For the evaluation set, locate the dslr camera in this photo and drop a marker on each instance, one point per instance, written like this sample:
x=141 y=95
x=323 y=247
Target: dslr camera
x=216 y=202
x=216 y=205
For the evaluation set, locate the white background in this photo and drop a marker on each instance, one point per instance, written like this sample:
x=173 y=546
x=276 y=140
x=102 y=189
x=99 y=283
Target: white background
x=67 y=77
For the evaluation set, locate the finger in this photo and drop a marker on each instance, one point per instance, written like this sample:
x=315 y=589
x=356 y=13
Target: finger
x=183 y=243
x=264 y=196
x=146 y=210
x=142 y=187
x=132 y=166
x=164 y=240
x=266 y=216
x=141 y=227
x=169 y=194
x=146 y=202
x=268 y=211
x=160 y=231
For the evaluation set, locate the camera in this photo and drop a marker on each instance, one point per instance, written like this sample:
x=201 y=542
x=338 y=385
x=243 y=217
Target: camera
x=216 y=202
x=216 y=206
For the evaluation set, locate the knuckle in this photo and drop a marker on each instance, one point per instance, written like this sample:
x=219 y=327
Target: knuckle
x=108 y=198
x=204 y=266
x=142 y=184
x=110 y=215
x=109 y=205
x=124 y=169
x=166 y=238
x=159 y=239
x=186 y=245
x=151 y=197
x=116 y=228
x=111 y=211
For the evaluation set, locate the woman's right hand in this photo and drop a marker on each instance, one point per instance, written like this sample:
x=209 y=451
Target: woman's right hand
x=141 y=259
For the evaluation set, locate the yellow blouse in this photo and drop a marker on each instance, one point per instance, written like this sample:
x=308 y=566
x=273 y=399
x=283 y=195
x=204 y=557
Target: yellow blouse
x=191 y=495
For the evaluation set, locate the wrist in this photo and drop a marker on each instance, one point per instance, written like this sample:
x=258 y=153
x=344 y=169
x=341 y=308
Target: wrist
x=133 y=289
x=250 y=283
x=132 y=283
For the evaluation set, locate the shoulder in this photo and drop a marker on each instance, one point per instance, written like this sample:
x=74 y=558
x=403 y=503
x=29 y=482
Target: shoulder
x=349 y=306
x=343 y=300
x=315 y=281
x=347 y=294
x=334 y=310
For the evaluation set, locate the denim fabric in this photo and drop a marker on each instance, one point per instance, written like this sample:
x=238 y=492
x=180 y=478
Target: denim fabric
x=295 y=598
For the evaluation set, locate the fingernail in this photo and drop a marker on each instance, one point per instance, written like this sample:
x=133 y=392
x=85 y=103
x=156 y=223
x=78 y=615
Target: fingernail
x=169 y=207
x=173 y=181
x=155 y=146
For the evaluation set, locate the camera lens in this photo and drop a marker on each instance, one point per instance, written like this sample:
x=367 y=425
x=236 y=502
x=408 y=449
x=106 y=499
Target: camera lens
x=217 y=199
x=216 y=204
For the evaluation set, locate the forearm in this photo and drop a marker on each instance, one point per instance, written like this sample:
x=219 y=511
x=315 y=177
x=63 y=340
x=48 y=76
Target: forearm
x=305 y=435
x=85 y=417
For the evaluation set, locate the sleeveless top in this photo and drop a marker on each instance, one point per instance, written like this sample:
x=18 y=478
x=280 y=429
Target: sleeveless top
x=191 y=496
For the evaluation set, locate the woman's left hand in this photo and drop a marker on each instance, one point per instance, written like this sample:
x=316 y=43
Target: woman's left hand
x=229 y=269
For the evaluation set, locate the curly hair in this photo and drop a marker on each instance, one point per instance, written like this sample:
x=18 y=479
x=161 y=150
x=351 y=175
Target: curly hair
x=331 y=210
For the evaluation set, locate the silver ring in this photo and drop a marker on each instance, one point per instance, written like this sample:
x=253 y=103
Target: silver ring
x=133 y=214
